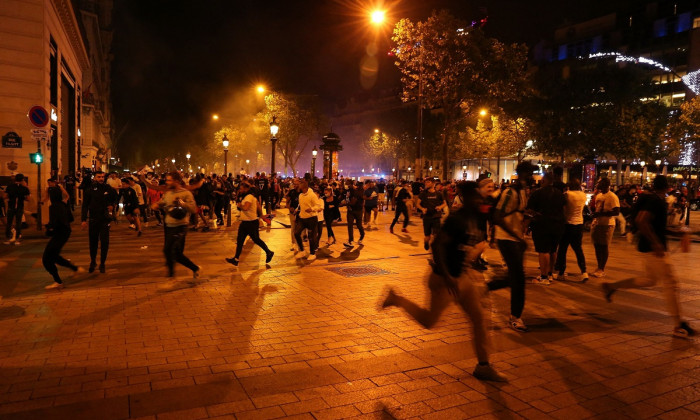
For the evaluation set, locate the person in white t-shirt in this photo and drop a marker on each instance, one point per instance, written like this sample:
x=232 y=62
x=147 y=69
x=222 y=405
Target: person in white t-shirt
x=248 y=225
x=575 y=201
x=607 y=206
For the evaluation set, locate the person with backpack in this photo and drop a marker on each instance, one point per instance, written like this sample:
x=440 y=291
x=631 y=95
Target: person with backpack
x=650 y=222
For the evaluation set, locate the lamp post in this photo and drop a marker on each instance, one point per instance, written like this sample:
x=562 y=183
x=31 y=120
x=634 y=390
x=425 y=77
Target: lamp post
x=314 y=153
x=173 y=161
x=225 y=142
x=247 y=166
x=274 y=129
x=464 y=171
x=188 y=156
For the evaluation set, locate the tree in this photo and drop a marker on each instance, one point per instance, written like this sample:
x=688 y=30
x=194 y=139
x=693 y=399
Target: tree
x=238 y=145
x=685 y=131
x=455 y=67
x=300 y=120
x=387 y=149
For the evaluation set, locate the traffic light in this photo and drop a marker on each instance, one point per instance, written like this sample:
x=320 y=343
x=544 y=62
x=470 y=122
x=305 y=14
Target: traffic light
x=37 y=158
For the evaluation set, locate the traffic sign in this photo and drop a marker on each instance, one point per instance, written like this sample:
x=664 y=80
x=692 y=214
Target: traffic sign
x=38 y=116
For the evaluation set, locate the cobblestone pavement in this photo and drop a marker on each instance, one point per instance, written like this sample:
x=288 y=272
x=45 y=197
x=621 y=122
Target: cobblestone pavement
x=305 y=340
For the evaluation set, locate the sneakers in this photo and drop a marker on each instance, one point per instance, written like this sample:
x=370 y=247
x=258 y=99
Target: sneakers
x=102 y=268
x=331 y=241
x=196 y=273
x=683 y=330
x=132 y=226
x=269 y=256
x=9 y=242
x=542 y=281
x=517 y=324
x=233 y=261
x=293 y=248
x=584 y=277
x=299 y=255
x=359 y=242
x=404 y=230
x=54 y=286
x=607 y=291
x=139 y=233
x=311 y=257
x=426 y=245
x=391 y=229
x=598 y=273
x=18 y=242
x=92 y=267
x=488 y=373
x=348 y=244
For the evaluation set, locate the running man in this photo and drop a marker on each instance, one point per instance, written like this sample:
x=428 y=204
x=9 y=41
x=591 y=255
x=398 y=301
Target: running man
x=431 y=203
x=248 y=225
x=402 y=200
x=178 y=204
x=651 y=225
x=456 y=247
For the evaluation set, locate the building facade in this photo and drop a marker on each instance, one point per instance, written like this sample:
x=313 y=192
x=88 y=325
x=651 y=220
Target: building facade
x=54 y=54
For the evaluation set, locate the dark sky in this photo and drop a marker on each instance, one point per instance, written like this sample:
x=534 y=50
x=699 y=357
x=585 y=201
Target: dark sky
x=178 y=61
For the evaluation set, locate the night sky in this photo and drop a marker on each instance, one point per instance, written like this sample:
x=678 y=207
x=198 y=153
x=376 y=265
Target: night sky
x=178 y=61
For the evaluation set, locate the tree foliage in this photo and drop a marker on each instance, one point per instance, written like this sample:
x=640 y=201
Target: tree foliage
x=300 y=120
x=456 y=68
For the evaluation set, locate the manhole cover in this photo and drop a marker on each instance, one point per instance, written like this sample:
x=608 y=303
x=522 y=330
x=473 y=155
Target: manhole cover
x=358 y=271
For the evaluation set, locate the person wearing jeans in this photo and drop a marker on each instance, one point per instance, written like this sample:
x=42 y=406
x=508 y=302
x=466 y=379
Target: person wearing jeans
x=17 y=193
x=510 y=226
x=178 y=204
x=355 y=203
x=309 y=208
x=573 y=230
x=607 y=207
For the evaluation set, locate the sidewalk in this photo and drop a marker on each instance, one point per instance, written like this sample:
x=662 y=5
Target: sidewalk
x=305 y=340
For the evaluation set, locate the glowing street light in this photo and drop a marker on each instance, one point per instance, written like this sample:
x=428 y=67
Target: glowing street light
x=314 y=153
x=483 y=112
x=376 y=131
x=274 y=129
x=260 y=88
x=215 y=117
x=225 y=144
x=378 y=17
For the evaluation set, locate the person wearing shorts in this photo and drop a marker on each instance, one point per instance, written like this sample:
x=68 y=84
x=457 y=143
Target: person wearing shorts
x=546 y=208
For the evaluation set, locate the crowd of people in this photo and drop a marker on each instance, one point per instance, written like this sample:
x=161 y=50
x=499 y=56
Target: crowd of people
x=460 y=220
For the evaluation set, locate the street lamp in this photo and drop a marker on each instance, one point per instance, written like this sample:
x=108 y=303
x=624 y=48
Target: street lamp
x=247 y=166
x=314 y=153
x=215 y=117
x=260 y=89
x=226 y=143
x=274 y=129
x=173 y=161
x=188 y=156
x=378 y=17
x=483 y=112
x=464 y=171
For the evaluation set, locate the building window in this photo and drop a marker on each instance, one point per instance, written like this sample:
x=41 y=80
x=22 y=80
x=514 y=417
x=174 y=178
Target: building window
x=696 y=23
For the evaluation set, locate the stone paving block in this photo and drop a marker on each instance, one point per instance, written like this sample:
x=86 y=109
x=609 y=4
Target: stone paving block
x=174 y=399
x=381 y=365
x=291 y=381
x=107 y=409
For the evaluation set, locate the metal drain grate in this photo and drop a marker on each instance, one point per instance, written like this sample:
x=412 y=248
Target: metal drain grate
x=358 y=271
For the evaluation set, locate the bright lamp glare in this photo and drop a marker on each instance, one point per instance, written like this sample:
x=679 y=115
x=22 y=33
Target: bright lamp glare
x=260 y=89
x=378 y=16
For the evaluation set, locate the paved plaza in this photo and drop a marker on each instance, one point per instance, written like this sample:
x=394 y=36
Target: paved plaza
x=306 y=341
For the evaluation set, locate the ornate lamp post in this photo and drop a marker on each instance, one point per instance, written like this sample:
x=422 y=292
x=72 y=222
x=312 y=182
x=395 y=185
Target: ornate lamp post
x=188 y=156
x=247 y=166
x=225 y=142
x=314 y=153
x=173 y=161
x=274 y=129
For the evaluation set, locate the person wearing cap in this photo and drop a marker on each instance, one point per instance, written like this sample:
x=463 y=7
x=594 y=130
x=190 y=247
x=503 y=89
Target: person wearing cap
x=650 y=222
x=60 y=218
x=509 y=218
